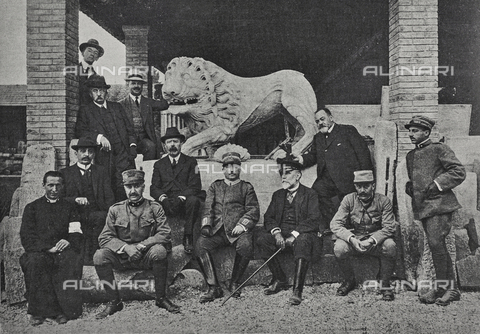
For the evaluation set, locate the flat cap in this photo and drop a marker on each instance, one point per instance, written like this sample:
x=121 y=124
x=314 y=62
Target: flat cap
x=421 y=121
x=133 y=176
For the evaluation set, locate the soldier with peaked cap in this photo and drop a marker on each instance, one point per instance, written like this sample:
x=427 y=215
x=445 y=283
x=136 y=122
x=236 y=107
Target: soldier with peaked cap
x=434 y=170
x=291 y=221
x=231 y=212
x=136 y=236
x=371 y=216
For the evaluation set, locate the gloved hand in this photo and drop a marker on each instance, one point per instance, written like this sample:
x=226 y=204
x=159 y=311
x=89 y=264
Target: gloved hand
x=432 y=190
x=409 y=188
x=289 y=241
x=279 y=240
x=206 y=231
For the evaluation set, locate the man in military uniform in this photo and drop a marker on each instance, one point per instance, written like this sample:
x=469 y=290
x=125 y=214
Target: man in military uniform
x=136 y=235
x=231 y=212
x=371 y=216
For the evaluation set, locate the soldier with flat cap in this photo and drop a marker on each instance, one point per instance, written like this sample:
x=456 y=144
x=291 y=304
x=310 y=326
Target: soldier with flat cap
x=371 y=216
x=136 y=236
x=291 y=221
x=434 y=170
x=231 y=212
x=91 y=51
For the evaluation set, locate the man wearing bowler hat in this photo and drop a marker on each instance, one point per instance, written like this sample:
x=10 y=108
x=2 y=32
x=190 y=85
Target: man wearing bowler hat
x=88 y=186
x=142 y=113
x=434 y=170
x=371 y=216
x=136 y=236
x=91 y=51
x=107 y=123
x=176 y=184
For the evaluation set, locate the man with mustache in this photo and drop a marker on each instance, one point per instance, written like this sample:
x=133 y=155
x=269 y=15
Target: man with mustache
x=231 y=212
x=88 y=186
x=142 y=112
x=434 y=171
x=338 y=150
x=176 y=184
x=136 y=236
x=371 y=216
x=107 y=123
x=91 y=51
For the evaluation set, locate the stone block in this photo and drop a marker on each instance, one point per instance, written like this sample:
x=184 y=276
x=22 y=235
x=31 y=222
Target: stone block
x=468 y=271
x=454 y=119
x=14 y=281
x=190 y=278
x=467 y=196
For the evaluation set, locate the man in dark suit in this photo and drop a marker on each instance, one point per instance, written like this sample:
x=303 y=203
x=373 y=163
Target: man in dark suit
x=89 y=188
x=176 y=184
x=338 y=150
x=91 y=51
x=291 y=220
x=108 y=125
x=141 y=113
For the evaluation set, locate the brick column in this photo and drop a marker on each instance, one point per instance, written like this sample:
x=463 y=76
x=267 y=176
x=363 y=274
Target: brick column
x=52 y=96
x=136 y=45
x=413 y=61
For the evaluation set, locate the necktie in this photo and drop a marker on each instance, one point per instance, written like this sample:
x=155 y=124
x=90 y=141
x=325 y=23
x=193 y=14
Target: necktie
x=84 y=171
x=90 y=71
x=136 y=101
x=174 y=163
x=290 y=196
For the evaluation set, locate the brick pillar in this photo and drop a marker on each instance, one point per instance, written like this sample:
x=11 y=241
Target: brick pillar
x=413 y=61
x=52 y=96
x=136 y=45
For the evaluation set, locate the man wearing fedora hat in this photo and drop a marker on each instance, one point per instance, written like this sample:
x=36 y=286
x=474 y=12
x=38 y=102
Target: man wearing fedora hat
x=176 y=184
x=291 y=221
x=434 y=170
x=142 y=112
x=91 y=51
x=231 y=212
x=107 y=123
x=371 y=216
x=88 y=186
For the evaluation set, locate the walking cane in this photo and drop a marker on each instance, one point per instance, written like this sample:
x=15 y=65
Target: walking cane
x=248 y=279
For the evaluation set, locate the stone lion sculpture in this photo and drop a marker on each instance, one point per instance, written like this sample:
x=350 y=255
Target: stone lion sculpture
x=216 y=104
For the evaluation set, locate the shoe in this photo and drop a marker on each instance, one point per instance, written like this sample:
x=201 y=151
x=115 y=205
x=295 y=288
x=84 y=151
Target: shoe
x=301 y=267
x=188 y=244
x=345 y=288
x=233 y=287
x=61 y=319
x=387 y=295
x=214 y=292
x=431 y=296
x=276 y=287
x=449 y=296
x=36 y=320
x=111 y=308
x=167 y=305
x=295 y=299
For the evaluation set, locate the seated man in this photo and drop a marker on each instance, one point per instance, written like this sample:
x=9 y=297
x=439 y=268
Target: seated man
x=231 y=212
x=89 y=188
x=291 y=220
x=135 y=236
x=373 y=223
x=52 y=239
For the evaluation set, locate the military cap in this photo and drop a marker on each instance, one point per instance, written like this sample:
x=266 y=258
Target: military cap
x=133 y=176
x=421 y=121
x=361 y=176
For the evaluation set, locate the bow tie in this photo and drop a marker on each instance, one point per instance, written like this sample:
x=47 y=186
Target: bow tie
x=135 y=204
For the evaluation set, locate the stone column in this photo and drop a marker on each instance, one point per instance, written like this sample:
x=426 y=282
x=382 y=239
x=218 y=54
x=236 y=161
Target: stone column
x=136 y=44
x=413 y=62
x=52 y=95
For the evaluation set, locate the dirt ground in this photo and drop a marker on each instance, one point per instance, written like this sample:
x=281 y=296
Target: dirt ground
x=320 y=312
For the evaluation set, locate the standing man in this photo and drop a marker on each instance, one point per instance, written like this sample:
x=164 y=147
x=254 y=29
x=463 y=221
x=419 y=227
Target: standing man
x=291 y=220
x=338 y=150
x=371 y=216
x=140 y=111
x=176 y=184
x=90 y=51
x=88 y=186
x=231 y=212
x=434 y=170
x=135 y=236
x=52 y=239
x=108 y=124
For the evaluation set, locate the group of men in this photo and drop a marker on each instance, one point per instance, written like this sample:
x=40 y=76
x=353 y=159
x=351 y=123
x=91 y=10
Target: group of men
x=122 y=229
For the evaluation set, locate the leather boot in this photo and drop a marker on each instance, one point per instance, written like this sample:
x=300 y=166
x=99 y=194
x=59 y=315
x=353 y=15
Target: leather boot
x=348 y=283
x=279 y=280
x=160 y=275
x=239 y=267
x=105 y=274
x=188 y=244
x=206 y=265
x=386 y=271
x=301 y=267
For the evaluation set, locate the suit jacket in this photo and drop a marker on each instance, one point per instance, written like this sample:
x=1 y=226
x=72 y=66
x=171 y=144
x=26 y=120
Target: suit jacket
x=102 y=188
x=184 y=181
x=90 y=122
x=434 y=162
x=84 y=94
x=306 y=210
x=341 y=153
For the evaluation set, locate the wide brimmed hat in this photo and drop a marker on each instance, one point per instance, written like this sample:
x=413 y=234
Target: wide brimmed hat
x=94 y=44
x=231 y=154
x=362 y=176
x=133 y=176
x=96 y=81
x=421 y=121
x=136 y=77
x=172 y=133
x=84 y=142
